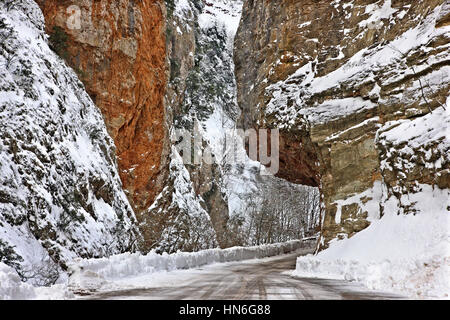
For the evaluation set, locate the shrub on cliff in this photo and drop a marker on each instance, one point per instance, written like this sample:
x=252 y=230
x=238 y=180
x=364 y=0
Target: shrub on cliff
x=58 y=41
x=8 y=256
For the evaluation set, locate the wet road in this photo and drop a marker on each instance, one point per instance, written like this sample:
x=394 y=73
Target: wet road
x=254 y=280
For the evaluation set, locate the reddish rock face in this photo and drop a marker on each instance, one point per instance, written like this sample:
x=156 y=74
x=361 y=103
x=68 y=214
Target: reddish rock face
x=119 y=54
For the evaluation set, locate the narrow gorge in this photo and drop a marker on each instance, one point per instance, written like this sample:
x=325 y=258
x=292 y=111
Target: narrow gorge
x=94 y=94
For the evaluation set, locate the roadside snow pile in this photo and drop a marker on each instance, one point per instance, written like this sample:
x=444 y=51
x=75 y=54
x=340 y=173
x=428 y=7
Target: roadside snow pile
x=223 y=13
x=91 y=274
x=408 y=254
x=12 y=288
x=295 y=100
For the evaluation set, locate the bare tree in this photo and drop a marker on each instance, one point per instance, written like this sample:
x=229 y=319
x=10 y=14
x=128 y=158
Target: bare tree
x=290 y=213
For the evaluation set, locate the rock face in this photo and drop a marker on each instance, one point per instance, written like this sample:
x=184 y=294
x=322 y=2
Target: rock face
x=154 y=68
x=60 y=194
x=358 y=88
x=352 y=85
x=193 y=212
x=205 y=205
x=118 y=49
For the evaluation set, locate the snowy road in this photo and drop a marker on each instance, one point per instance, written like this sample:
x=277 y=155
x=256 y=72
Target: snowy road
x=256 y=279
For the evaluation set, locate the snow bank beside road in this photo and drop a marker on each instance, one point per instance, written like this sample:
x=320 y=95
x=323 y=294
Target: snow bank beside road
x=12 y=288
x=91 y=274
x=406 y=254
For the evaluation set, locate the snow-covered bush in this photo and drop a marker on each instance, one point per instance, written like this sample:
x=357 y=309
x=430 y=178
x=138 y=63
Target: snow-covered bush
x=407 y=254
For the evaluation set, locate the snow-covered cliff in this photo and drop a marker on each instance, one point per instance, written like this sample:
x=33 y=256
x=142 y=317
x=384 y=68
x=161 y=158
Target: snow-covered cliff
x=60 y=192
x=359 y=90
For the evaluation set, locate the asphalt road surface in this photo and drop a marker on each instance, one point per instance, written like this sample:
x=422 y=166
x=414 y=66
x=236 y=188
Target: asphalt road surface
x=254 y=280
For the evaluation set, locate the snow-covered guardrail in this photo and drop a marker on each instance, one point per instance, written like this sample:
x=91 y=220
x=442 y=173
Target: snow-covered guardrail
x=87 y=273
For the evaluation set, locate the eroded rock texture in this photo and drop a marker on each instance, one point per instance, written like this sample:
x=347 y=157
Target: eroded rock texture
x=337 y=77
x=118 y=51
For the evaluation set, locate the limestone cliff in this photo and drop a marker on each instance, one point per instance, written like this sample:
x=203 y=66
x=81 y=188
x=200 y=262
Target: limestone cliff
x=118 y=51
x=354 y=87
x=152 y=68
x=60 y=192
x=139 y=61
x=224 y=203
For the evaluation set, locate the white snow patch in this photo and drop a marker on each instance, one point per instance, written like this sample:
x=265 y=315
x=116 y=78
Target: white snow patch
x=406 y=254
x=335 y=109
